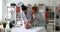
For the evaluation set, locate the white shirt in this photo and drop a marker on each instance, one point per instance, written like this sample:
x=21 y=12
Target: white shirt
x=23 y=16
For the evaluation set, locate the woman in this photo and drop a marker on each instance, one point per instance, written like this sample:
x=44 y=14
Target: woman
x=26 y=16
x=27 y=13
x=37 y=17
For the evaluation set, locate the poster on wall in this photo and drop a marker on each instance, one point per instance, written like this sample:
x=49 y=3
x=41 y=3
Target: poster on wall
x=20 y=3
x=58 y=9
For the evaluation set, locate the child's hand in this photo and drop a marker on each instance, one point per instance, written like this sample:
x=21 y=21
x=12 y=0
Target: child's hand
x=27 y=25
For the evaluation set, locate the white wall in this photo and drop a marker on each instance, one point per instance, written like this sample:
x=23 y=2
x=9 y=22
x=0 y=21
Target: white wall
x=47 y=2
x=0 y=10
x=4 y=8
x=57 y=1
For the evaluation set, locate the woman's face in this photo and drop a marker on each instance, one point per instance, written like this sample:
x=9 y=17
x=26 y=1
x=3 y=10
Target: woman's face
x=34 y=12
x=25 y=11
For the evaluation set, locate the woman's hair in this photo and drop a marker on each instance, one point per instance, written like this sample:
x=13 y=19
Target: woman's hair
x=24 y=7
x=34 y=8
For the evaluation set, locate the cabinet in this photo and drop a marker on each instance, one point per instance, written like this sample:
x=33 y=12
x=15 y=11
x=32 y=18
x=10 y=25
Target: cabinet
x=50 y=18
x=13 y=14
x=57 y=19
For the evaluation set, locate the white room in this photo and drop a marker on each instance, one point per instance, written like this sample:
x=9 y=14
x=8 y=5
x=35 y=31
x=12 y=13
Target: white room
x=29 y=15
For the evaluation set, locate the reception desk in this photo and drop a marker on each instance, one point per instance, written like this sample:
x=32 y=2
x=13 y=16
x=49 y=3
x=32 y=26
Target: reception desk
x=33 y=29
x=22 y=29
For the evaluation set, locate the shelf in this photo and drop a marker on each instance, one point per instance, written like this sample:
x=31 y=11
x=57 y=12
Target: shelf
x=50 y=24
x=49 y=8
x=50 y=20
x=57 y=25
